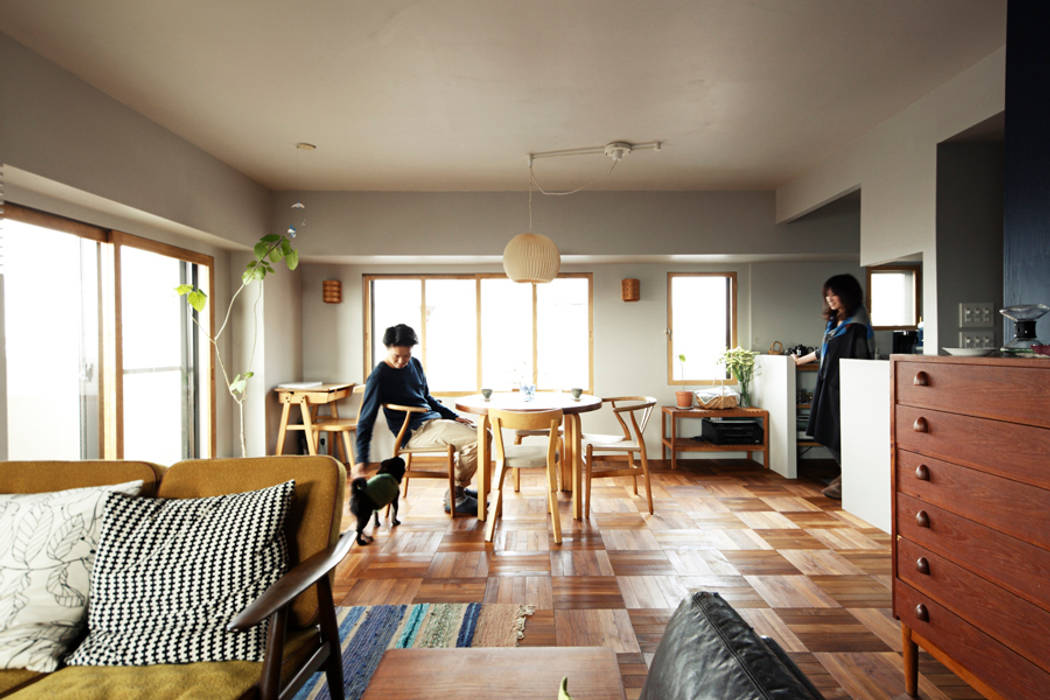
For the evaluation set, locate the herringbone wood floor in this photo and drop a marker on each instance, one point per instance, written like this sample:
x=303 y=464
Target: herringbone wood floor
x=795 y=566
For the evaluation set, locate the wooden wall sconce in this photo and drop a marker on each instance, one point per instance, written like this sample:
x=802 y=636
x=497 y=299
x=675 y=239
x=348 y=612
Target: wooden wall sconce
x=629 y=289
x=332 y=291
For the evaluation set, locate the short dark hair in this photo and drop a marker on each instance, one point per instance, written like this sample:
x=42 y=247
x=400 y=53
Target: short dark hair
x=847 y=289
x=400 y=336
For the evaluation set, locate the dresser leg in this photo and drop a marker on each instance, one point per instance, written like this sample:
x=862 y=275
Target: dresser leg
x=911 y=662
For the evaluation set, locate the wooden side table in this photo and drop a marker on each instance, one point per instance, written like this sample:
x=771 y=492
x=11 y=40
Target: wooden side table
x=308 y=400
x=674 y=444
x=509 y=673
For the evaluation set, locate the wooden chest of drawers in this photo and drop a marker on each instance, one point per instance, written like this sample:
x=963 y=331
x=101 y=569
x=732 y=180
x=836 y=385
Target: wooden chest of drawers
x=971 y=519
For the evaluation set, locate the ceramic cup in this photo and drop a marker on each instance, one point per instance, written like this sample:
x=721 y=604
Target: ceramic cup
x=576 y=393
x=486 y=393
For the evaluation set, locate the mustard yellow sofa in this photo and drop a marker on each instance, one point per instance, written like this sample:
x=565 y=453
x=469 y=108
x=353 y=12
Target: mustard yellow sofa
x=303 y=635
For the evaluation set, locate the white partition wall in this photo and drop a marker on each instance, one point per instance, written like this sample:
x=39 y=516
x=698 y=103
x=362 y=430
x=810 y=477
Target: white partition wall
x=865 y=407
x=774 y=390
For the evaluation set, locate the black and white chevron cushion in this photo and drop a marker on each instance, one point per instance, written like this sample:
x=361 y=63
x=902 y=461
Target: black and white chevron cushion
x=170 y=574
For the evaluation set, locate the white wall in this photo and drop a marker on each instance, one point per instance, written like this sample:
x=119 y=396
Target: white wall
x=623 y=224
x=895 y=167
x=865 y=424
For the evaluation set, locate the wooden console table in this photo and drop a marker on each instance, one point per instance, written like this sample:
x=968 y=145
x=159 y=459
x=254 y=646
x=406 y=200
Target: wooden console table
x=674 y=444
x=509 y=673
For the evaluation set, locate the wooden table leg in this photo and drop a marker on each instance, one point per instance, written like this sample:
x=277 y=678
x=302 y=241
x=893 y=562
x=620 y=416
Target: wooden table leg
x=484 y=466
x=285 y=410
x=573 y=429
x=304 y=408
x=674 y=442
x=911 y=662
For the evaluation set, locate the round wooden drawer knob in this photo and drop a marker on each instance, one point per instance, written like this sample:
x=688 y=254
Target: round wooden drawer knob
x=921 y=379
x=922 y=565
x=920 y=425
x=922 y=472
x=922 y=519
x=922 y=613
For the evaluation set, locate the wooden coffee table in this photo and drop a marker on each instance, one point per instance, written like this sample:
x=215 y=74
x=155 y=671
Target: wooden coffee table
x=508 y=673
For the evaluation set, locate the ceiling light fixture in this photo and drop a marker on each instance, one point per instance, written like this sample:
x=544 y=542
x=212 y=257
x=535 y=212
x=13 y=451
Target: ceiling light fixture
x=533 y=257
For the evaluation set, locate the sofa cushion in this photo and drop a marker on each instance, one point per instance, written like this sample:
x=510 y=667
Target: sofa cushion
x=38 y=476
x=315 y=520
x=171 y=573
x=207 y=681
x=708 y=652
x=47 y=546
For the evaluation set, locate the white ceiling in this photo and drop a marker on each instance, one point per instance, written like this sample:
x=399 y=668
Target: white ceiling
x=452 y=95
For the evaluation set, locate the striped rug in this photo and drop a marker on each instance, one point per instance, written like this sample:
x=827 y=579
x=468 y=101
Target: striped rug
x=367 y=631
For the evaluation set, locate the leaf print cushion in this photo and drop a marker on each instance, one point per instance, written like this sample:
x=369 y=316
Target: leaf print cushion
x=47 y=547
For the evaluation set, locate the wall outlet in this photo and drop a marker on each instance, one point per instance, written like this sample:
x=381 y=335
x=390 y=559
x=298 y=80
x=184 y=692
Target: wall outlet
x=976 y=314
x=976 y=339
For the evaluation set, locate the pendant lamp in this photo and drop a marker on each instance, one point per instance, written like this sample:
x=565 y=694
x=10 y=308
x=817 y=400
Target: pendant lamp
x=531 y=257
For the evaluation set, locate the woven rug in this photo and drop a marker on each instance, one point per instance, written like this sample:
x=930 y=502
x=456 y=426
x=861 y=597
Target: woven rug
x=367 y=631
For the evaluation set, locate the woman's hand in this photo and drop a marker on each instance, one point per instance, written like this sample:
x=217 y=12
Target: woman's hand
x=467 y=421
x=805 y=359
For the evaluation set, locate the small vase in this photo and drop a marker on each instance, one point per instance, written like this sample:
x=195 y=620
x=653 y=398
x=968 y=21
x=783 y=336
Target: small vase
x=684 y=399
x=745 y=394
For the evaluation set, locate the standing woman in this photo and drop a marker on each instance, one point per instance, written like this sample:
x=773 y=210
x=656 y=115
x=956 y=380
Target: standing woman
x=848 y=335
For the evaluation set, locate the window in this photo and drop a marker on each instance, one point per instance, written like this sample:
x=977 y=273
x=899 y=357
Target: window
x=701 y=324
x=893 y=297
x=484 y=330
x=100 y=349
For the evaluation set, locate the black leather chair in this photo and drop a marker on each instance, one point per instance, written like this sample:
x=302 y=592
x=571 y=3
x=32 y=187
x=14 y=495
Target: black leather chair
x=708 y=652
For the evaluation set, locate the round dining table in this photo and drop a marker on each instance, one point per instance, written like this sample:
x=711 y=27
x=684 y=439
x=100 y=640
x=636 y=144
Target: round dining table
x=572 y=464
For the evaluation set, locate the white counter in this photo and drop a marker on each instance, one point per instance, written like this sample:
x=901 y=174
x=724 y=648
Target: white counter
x=865 y=417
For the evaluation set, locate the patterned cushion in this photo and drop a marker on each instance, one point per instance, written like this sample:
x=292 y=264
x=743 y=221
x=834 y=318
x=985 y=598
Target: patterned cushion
x=171 y=573
x=47 y=546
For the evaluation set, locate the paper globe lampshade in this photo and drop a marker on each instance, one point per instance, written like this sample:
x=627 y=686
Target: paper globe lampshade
x=531 y=257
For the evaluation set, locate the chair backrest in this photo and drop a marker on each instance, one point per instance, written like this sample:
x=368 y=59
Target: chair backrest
x=637 y=409
x=523 y=420
x=315 y=519
x=40 y=476
x=409 y=410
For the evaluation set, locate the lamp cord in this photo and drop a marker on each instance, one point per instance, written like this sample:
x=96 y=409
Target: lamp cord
x=534 y=181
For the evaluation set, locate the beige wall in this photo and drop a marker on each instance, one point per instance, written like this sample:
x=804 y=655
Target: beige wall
x=895 y=167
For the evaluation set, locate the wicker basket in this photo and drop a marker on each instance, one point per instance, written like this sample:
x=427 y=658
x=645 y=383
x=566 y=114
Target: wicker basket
x=721 y=401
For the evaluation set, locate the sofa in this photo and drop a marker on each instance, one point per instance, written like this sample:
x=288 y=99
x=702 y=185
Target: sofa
x=708 y=652
x=302 y=635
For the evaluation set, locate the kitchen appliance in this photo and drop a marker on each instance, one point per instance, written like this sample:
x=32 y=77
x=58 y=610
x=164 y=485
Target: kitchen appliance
x=904 y=342
x=1024 y=317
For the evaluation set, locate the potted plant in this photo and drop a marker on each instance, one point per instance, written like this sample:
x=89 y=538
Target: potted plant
x=271 y=248
x=683 y=398
x=740 y=363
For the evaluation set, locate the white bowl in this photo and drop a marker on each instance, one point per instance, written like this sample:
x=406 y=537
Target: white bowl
x=968 y=352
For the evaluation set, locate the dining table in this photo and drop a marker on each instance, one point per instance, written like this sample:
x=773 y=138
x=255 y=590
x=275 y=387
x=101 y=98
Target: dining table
x=571 y=408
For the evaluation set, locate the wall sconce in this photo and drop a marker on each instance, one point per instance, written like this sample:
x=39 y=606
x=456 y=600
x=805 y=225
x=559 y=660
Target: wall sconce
x=629 y=289
x=332 y=291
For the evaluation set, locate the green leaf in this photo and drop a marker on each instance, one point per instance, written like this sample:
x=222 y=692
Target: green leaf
x=270 y=238
x=183 y=289
x=286 y=246
x=260 y=250
x=248 y=276
x=276 y=254
x=292 y=259
x=197 y=299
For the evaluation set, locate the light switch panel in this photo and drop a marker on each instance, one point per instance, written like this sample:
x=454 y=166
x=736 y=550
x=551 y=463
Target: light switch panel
x=976 y=314
x=976 y=339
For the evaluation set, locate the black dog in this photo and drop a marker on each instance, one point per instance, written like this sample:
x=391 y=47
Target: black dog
x=368 y=496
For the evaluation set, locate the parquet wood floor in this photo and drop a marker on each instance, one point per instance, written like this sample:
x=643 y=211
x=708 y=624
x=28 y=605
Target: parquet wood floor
x=794 y=565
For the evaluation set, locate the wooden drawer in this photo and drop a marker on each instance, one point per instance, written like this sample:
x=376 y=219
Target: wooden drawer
x=1007 y=449
x=1004 y=670
x=1009 y=506
x=1001 y=392
x=1016 y=623
x=1022 y=568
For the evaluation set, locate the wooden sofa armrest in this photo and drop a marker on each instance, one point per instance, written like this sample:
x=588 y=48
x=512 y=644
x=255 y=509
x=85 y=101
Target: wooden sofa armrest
x=292 y=583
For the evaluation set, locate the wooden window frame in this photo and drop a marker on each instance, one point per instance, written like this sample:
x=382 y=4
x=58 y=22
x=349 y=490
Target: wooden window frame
x=731 y=321
x=916 y=294
x=369 y=361
x=110 y=351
